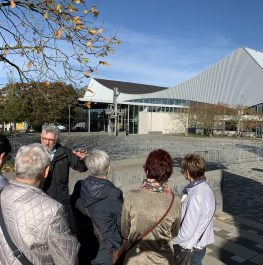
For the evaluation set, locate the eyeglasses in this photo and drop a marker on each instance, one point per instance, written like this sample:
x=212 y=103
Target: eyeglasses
x=48 y=139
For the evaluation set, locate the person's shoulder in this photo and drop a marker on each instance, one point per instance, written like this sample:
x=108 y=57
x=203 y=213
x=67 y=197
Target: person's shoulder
x=205 y=187
x=62 y=148
x=135 y=194
x=177 y=200
x=115 y=191
x=52 y=206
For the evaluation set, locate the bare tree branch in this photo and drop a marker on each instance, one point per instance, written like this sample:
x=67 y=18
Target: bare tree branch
x=52 y=39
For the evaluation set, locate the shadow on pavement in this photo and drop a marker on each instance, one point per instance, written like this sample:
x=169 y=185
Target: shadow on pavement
x=242 y=199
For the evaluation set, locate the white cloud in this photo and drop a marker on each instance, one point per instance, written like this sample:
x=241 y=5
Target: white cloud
x=155 y=60
x=152 y=59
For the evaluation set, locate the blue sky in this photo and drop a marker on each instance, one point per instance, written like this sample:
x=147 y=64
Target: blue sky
x=167 y=42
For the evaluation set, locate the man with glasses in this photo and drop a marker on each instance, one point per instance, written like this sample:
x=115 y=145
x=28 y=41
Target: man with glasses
x=62 y=159
x=5 y=149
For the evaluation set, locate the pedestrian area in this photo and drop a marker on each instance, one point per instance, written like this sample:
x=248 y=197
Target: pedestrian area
x=239 y=229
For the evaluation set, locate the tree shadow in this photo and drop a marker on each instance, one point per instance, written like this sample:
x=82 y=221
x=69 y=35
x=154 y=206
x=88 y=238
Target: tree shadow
x=242 y=199
x=255 y=150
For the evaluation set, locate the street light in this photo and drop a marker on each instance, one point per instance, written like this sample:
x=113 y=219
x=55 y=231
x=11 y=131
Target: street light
x=69 y=113
x=116 y=93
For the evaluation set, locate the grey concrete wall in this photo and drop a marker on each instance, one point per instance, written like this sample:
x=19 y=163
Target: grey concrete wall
x=128 y=174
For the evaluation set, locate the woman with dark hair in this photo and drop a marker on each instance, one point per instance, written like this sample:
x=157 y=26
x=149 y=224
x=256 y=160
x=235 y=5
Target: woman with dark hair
x=151 y=214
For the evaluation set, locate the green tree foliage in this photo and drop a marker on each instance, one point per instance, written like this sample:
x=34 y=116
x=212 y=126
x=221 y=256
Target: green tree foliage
x=37 y=103
x=56 y=40
x=12 y=107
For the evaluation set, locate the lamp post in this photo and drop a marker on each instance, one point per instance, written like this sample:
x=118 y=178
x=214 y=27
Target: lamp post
x=116 y=93
x=69 y=118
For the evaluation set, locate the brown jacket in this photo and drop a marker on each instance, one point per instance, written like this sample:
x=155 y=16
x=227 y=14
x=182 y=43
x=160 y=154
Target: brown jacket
x=141 y=210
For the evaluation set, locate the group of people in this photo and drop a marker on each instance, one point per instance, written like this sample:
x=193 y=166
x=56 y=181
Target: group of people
x=96 y=225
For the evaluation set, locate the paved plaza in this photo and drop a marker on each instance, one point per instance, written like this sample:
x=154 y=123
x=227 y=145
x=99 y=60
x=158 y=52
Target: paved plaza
x=239 y=229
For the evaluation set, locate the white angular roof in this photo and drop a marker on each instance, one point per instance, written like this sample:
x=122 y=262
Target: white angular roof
x=258 y=56
x=235 y=80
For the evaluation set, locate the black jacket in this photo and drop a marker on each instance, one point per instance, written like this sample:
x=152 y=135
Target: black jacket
x=56 y=184
x=104 y=203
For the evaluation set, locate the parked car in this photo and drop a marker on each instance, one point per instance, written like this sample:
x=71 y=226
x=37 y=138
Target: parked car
x=79 y=127
x=62 y=128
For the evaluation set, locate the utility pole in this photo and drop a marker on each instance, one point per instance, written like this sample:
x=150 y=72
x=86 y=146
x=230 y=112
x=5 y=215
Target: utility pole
x=69 y=118
x=116 y=93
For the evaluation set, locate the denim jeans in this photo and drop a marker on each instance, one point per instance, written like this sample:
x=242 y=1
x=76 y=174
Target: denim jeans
x=197 y=256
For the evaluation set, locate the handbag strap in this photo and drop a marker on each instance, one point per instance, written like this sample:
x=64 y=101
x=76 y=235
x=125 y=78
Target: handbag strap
x=207 y=225
x=16 y=252
x=141 y=237
x=98 y=231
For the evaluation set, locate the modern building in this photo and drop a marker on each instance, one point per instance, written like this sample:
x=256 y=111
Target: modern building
x=235 y=80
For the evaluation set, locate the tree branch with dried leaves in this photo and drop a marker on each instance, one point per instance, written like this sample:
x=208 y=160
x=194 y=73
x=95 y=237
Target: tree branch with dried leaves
x=52 y=39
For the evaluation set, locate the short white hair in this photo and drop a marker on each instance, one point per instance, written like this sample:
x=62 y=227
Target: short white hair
x=97 y=162
x=51 y=128
x=31 y=161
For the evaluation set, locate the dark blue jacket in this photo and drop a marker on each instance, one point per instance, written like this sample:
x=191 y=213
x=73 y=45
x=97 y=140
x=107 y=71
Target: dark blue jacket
x=104 y=203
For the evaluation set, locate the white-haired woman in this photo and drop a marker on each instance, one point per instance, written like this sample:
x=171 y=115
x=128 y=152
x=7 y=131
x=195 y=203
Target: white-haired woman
x=97 y=205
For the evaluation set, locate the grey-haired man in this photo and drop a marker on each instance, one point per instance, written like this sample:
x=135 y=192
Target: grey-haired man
x=62 y=159
x=35 y=222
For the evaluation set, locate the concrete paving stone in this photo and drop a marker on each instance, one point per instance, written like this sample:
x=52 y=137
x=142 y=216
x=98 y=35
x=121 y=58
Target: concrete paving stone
x=209 y=260
x=248 y=243
x=227 y=227
x=234 y=248
x=219 y=253
x=245 y=221
x=208 y=250
x=254 y=237
x=258 y=226
x=222 y=233
x=259 y=246
x=252 y=231
x=258 y=259
x=238 y=259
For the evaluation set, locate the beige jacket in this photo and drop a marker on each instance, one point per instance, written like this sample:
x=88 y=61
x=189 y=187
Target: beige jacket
x=37 y=225
x=141 y=210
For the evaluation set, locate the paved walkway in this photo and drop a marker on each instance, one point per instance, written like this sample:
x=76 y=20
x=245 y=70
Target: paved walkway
x=239 y=230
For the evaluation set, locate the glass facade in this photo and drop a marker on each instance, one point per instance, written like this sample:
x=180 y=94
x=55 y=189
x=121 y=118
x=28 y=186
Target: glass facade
x=162 y=101
x=103 y=119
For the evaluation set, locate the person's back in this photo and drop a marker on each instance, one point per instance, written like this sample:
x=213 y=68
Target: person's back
x=35 y=222
x=198 y=207
x=142 y=209
x=152 y=205
x=98 y=198
x=5 y=149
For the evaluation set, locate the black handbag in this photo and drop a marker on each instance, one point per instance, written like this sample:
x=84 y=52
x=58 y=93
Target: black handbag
x=16 y=252
x=182 y=256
